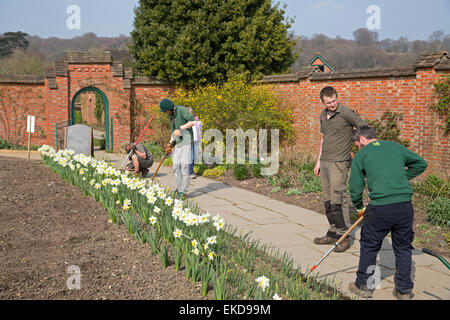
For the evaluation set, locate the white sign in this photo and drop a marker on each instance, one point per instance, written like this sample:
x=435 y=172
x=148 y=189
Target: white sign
x=30 y=124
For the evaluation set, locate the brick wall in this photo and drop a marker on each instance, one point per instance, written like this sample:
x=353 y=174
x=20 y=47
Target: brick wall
x=370 y=92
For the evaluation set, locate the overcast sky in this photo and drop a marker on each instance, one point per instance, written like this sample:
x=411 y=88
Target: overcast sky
x=415 y=19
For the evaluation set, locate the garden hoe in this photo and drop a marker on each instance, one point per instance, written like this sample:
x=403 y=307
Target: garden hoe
x=162 y=160
x=146 y=126
x=337 y=242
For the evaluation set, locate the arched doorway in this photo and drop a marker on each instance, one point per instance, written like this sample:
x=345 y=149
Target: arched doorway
x=106 y=111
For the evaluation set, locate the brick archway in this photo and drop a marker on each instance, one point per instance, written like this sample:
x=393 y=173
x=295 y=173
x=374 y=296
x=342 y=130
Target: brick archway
x=108 y=135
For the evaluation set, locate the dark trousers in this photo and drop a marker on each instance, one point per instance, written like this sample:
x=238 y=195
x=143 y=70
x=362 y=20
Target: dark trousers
x=396 y=218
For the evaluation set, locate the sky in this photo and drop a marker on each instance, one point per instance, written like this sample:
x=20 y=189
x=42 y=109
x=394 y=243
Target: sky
x=414 y=19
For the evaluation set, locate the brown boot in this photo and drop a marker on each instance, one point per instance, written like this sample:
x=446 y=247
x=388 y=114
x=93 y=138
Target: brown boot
x=325 y=240
x=344 y=245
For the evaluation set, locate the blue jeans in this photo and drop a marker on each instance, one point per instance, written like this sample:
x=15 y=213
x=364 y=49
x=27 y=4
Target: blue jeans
x=396 y=218
x=194 y=154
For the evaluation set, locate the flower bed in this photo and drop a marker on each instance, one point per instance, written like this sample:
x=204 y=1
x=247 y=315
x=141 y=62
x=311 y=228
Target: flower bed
x=181 y=233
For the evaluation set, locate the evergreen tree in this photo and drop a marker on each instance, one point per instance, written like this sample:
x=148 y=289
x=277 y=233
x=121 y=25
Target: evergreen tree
x=196 y=42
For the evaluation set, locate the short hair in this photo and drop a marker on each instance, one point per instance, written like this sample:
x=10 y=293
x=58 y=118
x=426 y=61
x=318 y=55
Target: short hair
x=365 y=131
x=328 y=92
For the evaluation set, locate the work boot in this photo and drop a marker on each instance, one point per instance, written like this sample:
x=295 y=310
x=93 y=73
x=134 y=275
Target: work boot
x=330 y=238
x=364 y=292
x=344 y=245
x=144 y=172
x=402 y=296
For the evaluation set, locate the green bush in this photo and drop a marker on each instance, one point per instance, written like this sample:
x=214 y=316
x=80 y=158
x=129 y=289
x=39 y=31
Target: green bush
x=216 y=172
x=238 y=104
x=200 y=168
x=256 y=170
x=99 y=143
x=310 y=182
x=168 y=162
x=8 y=145
x=240 y=172
x=156 y=150
x=438 y=212
x=433 y=187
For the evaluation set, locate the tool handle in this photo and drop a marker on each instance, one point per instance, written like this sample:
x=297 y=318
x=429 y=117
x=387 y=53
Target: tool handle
x=145 y=128
x=349 y=230
x=160 y=163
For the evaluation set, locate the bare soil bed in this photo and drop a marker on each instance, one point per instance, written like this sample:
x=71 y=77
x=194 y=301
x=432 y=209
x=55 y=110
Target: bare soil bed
x=48 y=225
x=426 y=235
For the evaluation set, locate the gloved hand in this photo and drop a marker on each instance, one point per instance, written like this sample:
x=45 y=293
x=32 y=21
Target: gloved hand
x=361 y=211
x=169 y=147
x=133 y=147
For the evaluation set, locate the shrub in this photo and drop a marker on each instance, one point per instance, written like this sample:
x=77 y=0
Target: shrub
x=200 y=168
x=442 y=89
x=216 y=172
x=168 y=162
x=438 y=212
x=433 y=187
x=310 y=182
x=240 y=171
x=238 y=104
x=156 y=150
x=256 y=170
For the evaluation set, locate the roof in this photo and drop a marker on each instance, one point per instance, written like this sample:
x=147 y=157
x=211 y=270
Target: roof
x=364 y=73
x=318 y=56
x=430 y=59
x=303 y=73
x=29 y=79
x=97 y=56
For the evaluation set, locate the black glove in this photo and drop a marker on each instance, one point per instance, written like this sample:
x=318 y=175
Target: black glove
x=133 y=147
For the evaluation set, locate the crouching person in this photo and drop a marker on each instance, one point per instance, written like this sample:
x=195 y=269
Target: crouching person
x=382 y=164
x=139 y=160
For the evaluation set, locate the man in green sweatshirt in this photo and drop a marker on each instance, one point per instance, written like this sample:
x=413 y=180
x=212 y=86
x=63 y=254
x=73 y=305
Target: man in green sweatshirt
x=382 y=164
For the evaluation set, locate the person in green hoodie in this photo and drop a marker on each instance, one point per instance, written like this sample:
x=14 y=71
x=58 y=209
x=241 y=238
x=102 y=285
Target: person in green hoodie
x=180 y=144
x=387 y=167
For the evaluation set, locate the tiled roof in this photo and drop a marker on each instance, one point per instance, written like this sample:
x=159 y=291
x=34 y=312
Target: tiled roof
x=292 y=77
x=364 y=73
x=23 y=79
x=88 y=57
x=430 y=59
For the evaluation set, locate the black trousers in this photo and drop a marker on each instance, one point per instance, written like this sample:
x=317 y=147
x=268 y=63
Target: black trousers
x=396 y=218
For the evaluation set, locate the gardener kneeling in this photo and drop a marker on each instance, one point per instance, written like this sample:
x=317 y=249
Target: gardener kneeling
x=139 y=160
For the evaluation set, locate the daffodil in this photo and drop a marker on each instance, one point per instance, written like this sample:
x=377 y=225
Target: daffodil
x=263 y=282
x=212 y=240
x=194 y=243
x=152 y=220
x=114 y=190
x=211 y=255
x=276 y=297
x=177 y=233
x=97 y=186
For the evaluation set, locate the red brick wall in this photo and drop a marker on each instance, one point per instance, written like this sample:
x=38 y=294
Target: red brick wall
x=409 y=94
x=17 y=101
x=371 y=97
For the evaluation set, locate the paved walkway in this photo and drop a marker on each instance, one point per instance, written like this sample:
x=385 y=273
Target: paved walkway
x=292 y=229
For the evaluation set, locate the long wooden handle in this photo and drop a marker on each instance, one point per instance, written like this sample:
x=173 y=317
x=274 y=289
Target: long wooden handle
x=157 y=169
x=350 y=230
